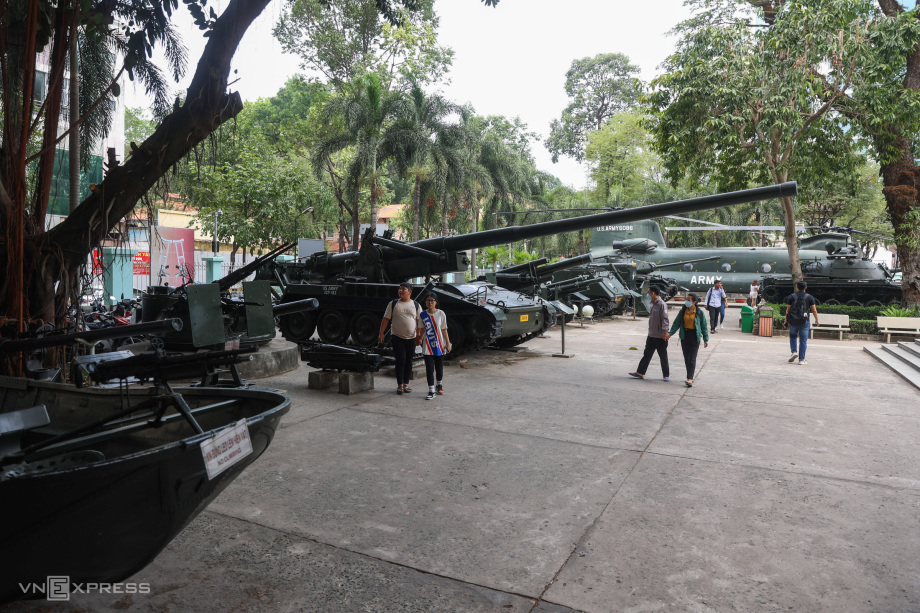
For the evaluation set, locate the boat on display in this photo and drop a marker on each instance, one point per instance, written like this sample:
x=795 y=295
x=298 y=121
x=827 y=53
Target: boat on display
x=96 y=481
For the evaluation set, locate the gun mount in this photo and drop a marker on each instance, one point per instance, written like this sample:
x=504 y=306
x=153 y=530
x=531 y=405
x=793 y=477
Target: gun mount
x=354 y=288
x=212 y=315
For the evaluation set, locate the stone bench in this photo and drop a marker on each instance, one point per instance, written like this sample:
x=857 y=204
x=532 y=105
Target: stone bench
x=833 y=323
x=898 y=325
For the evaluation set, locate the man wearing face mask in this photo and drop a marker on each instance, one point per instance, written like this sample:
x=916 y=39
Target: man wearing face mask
x=690 y=323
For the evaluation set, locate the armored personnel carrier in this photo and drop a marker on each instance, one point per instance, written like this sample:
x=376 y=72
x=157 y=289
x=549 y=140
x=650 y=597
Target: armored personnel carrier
x=354 y=288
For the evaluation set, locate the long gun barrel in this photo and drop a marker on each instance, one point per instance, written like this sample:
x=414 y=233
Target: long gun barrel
x=56 y=340
x=241 y=273
x=681 y=207
x=532 y=273
x=286 y=308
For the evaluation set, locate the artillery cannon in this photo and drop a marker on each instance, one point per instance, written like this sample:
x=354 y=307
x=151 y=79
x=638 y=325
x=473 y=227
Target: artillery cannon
x=531 y=275
x=354 y=288
x=212 y=315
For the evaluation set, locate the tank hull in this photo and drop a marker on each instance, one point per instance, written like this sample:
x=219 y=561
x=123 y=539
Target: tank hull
x=478 y=314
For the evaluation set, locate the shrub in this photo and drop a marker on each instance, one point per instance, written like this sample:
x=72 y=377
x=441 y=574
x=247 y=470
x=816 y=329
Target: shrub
x=855 y=312
x=863 y=326
x=896 y=311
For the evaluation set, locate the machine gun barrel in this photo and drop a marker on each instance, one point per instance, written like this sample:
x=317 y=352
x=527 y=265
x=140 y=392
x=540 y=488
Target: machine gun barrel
x=164 y=367
x=241 y=273
x=516 y=233
x=286 y=308
x=55 y=340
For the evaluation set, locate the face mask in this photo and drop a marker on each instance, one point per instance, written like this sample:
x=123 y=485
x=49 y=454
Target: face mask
x=688 y=304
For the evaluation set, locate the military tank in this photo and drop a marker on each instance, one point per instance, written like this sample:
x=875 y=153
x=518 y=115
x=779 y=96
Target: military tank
x=843 y=276
x=354 y=288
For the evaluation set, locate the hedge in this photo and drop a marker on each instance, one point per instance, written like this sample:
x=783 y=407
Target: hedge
x=855 y=312
x=857 y=325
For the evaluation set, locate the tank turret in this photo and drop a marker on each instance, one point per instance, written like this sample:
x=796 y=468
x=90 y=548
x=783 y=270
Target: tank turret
x=354 y=287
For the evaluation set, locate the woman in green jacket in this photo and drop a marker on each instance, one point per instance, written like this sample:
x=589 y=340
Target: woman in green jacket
x=690 y=323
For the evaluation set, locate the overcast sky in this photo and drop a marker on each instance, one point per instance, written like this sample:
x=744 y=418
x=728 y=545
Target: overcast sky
x=510 y=60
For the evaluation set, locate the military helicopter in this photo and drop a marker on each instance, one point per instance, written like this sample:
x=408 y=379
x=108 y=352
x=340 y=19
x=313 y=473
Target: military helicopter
x=831 y=256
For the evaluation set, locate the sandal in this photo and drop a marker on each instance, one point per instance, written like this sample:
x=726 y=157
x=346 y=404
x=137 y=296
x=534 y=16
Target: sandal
x=636 y=375
x=688 y=383
x=406 y=389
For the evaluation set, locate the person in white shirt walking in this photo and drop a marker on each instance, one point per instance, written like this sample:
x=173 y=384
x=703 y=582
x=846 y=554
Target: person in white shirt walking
x=715 y=298
x=432 y=334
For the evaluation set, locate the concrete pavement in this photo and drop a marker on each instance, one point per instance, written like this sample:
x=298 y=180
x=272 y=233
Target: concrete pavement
x=544 y=484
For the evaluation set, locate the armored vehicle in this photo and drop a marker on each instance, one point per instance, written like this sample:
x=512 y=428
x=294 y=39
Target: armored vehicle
x=843 y=276
x=354 y=288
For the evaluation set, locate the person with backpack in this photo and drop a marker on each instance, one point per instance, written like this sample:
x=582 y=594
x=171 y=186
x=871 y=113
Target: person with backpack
x=404 y=313
x=715 y=298
x=797 y=307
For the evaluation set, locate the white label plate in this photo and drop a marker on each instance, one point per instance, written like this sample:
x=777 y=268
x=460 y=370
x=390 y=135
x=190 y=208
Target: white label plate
x=226 y=448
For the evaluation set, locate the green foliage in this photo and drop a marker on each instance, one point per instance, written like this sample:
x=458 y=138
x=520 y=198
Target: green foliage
x=896 y=311
x=855 y=312
x=598 y=87
x=621 y=159
x=137 y=127
x=343 y=40
x=863 y=326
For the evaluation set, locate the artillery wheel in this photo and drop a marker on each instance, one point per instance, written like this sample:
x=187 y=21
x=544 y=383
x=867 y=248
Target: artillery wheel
x=854 y=303
x=457 y=335
x=831 y=301
x=298 y=327
x=771 y=294
x=332 y=327
x=874 y=303
x=365 y=327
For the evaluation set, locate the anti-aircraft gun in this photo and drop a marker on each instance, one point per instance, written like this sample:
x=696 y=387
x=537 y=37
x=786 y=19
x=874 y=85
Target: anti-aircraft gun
x=354 y=288
x=212 y=315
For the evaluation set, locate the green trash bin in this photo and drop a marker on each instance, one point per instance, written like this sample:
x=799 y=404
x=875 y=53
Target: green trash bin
x=747 y=319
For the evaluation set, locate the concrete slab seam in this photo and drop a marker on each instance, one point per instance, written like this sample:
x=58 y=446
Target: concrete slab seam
x=310 y=539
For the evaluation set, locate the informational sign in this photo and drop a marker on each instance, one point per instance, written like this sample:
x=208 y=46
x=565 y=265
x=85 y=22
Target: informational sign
x=172 y=256
x=226 y=448
x=142 y=263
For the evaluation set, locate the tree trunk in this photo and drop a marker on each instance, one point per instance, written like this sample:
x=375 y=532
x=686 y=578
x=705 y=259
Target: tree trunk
x=903 y=200
x=416 y=207
x=74 y=137
x=59 y=253
x=356 y=222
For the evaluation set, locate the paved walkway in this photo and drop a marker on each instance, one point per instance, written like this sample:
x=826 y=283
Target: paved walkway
x=546 y=484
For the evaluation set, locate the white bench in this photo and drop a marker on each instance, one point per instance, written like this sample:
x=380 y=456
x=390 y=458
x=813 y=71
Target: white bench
x=832 y=323
x=898 y=325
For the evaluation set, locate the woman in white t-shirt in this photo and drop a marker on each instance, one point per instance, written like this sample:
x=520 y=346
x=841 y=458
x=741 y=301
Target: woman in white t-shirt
x=432 y=334
x=755 y=289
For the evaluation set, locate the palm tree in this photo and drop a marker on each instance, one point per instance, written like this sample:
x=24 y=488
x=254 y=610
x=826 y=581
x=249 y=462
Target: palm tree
x=368 y=116
x=425 y=142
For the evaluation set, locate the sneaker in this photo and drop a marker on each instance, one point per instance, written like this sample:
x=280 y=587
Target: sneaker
x=440 y=389
x=636 y=375
x=430 y=395
x=802 y=362
x=722 y=327
x=793 y=357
